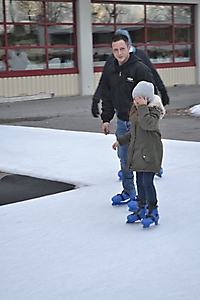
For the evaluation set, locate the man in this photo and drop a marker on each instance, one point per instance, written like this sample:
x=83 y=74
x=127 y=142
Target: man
x=158 y=82
x=118 y=81
x=145 y=59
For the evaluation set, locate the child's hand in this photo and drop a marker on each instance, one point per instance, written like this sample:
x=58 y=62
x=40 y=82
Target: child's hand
x=115 y=145
x=139 y=100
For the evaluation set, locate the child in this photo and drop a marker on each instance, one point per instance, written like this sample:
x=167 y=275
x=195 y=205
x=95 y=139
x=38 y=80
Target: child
x=145 y=151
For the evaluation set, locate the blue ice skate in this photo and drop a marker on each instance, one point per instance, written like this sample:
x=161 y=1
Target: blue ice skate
x=151 y=218
x=160 y=174
x=133 y=205
x=119 y=174
x=122 y=198
x=137 y=215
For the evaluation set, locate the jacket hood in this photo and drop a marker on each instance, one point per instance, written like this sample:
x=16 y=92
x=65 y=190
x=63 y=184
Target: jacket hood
x=126 y=33
x=157 y=104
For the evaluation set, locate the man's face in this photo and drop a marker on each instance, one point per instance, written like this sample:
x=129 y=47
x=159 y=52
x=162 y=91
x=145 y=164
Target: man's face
x=120 y=51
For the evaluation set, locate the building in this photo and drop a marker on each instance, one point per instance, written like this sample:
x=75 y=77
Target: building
x=60 y=47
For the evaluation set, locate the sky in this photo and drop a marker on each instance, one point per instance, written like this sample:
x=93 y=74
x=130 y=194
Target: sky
x=76 y=246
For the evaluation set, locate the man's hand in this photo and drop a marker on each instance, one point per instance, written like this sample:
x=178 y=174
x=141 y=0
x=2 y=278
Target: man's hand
x=164 y=97
x=95 y=109
x=105 y=128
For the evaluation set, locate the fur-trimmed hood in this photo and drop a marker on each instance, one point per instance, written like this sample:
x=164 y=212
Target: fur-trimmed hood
x=157 y=103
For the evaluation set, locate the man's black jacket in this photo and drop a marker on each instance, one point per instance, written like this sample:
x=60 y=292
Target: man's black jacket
x=117 y=85
x=145 y=59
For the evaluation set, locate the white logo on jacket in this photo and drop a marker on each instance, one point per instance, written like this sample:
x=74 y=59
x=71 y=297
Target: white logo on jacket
x=130 y=79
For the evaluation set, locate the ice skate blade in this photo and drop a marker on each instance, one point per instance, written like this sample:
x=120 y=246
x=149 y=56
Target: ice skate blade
x=159 y=175
x=135 y=222
x=119 y=203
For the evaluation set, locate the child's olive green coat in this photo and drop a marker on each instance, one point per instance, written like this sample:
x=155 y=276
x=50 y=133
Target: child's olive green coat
x=145 y=150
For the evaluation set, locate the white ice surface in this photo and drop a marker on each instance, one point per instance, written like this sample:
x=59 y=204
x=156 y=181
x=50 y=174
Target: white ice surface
x=75 y=245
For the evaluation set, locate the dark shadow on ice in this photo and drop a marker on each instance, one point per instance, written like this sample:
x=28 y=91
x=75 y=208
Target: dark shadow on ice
x=16 y=188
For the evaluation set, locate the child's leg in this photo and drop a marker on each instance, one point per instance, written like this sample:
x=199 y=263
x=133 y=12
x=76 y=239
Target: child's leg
x=140 y=187
x=138 y=207
x=152 y=215
x=149 y=188
x=133 y=205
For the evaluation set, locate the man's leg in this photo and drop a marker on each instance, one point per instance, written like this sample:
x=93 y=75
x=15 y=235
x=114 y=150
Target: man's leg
x=127 y=176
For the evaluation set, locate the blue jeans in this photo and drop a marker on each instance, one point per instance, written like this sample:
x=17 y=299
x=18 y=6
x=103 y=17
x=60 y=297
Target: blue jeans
x=145 y=187
x=127 y=176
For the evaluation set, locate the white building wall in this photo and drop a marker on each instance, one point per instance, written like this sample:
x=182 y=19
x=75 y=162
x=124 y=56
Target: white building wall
x=176 y=76
x=60 y=85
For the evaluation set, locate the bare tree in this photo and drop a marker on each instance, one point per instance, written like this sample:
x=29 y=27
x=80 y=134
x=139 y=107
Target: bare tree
x=159 y=13
x=26 y=11
x=59 y=12
x=182 y=11
x=33 y=11
x=102 y=13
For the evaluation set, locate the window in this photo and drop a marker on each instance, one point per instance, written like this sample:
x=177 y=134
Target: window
x=37 y=36
x=164 y=32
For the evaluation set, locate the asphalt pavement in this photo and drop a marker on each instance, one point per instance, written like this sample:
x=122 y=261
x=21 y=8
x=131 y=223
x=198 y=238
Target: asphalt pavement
x=74 y=113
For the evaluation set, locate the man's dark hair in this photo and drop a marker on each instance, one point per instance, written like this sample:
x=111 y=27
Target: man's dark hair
x=119 y=37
